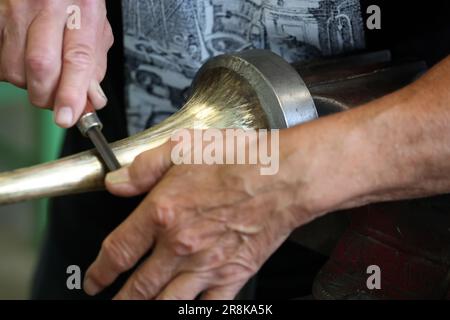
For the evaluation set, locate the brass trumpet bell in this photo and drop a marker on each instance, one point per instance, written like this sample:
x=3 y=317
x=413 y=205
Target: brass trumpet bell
x=253 y=89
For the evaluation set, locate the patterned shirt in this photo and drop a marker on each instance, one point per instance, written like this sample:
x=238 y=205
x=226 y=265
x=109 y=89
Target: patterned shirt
x=166 y=42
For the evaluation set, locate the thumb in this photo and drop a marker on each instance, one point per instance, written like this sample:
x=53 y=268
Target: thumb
x=142 y=174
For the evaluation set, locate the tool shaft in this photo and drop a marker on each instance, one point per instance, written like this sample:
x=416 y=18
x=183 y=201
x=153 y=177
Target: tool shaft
x=103 y=148
x=91 y=127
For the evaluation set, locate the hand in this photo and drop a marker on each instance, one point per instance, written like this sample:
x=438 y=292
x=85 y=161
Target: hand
x=211 y=227
x=59 y=67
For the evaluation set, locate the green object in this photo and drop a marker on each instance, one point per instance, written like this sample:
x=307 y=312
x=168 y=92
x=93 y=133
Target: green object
x=50 y=139
x=43 y=138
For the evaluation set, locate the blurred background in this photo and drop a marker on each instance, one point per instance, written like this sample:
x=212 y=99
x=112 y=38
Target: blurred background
x=27 y=137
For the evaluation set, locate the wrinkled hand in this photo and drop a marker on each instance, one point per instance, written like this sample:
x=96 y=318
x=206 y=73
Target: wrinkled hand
x=59 y=67
x=211 y=227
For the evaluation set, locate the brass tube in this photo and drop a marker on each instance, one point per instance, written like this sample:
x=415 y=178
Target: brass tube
x=221 y=99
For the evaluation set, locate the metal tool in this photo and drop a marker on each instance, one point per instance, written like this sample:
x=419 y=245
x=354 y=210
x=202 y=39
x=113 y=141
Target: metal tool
x=91 y=127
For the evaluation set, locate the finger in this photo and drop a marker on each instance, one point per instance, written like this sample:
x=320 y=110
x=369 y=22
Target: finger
x=222 y=293
x=96 y=95
x=107 y=40
x=78 y=66
x=151 y=277
x=186 y=286
x=13 y=53
x=142 y=174
x=123 y=248
x=43 y=55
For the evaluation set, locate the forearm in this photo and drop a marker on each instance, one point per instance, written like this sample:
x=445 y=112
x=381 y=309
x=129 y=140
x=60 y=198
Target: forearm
x=393 y=148
x=408 y=134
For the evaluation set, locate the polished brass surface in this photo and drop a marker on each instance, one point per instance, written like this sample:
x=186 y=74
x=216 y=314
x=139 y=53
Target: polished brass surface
x=221 y=99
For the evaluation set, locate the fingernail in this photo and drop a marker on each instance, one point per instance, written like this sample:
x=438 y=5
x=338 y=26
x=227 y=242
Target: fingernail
x=90 y=287
x=102 y=95
x=64 y=117
x=121 y=176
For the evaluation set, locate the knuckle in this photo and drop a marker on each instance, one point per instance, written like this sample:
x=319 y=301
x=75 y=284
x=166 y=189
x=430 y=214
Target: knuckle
x=142 y=287
x=80 y=56
x=118 y=254
x=232 y=271
x=40 y=65
x=183 y=244
x=163 y=214
x=216 y=257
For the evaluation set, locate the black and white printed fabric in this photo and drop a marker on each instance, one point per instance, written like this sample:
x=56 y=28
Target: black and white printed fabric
x=166 y=41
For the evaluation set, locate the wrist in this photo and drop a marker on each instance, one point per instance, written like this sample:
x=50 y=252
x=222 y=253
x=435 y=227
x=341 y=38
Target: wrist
x=389 y=149
x=330 y=165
